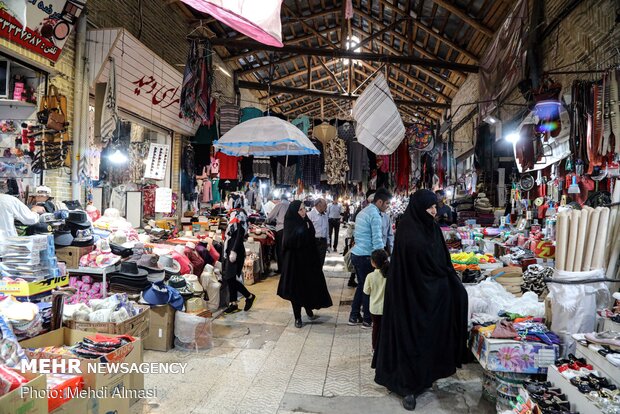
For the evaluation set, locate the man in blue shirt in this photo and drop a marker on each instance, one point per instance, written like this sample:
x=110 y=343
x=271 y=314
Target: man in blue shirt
x=368 y=238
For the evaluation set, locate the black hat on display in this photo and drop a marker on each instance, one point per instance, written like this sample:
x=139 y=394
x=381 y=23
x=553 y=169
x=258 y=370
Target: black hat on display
x=131 y=269
x=63 y=238
x=39 y=228
x=120 y=250
x=180 y=284
x=150 y=262
x=83 y=237
x=78 y=219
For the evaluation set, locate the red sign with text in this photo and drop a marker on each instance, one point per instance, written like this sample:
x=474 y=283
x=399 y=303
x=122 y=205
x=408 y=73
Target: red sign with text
x=27 y=38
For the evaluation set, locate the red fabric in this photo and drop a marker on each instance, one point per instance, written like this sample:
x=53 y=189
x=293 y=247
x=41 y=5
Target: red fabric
x=197 y=262
x=228 y=166
x=404 y=165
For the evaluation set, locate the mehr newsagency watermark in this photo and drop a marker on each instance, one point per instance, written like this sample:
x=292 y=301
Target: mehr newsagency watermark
x=103 y=392
x=75 y=366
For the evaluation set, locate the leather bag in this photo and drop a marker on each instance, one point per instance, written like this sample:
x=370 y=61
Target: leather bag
x=53 y=110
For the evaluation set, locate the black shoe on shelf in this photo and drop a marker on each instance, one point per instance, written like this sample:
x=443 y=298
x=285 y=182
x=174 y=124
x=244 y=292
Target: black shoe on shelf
x=409 y=402
x=298 y=323
x=248 y=302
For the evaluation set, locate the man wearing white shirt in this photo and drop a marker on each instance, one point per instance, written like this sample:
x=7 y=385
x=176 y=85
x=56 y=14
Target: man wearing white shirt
x=268 y=206
x=12 y=209
x=334 y=211
x=321 y=227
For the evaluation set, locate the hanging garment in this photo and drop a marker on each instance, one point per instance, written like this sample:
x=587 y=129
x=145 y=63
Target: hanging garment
x=358 y=161
x=404 y=164
x=346 y=132
x=196 y=103
x=247 y=171
x=261 y=167
x=215 y=191
x=250 y=113
x=287 y=175
x=229 y=117
x=303 y=123
x=228 y=166
x=336 y=165
x=207 y=191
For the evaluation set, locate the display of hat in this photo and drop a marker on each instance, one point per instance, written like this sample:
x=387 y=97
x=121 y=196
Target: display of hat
x=156 y=294
x=180 y=284
x=93 y=213
x=169 y=264
x=100 y=257
x=195 y=305
x=43 y=190
x=150 y=262
x=83 y=237
x=39 y=228
x=194 y=283
x=155 y=277
x=63 y=238
x=131 y=269
x=78 y=219
x=324 y=132
x=104 y=246
x=112 y=213
x=123 y=252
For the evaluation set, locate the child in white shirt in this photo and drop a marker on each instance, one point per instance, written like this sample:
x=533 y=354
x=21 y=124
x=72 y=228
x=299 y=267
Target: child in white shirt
x=375 y=287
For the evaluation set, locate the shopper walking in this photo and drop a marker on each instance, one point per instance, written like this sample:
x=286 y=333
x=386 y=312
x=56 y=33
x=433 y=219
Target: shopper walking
x=234 y=255
x=334 y=212
x=277 y=215
x=321 y=228
x=374 y=286
x=368 y=238
x=424 y=325
x=302 y=281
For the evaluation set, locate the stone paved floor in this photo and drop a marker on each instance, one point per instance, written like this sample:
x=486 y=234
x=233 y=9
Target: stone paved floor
x=261 y=363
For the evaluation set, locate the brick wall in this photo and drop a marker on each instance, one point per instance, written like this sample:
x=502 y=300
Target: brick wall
x=57 y=180
x=584 y=30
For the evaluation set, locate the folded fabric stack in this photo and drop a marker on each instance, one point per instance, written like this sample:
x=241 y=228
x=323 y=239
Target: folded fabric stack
x=511 y=278
x=482 y=204
x=533 y=279
x=97 y=345
x=85 y=289
x=485 y=219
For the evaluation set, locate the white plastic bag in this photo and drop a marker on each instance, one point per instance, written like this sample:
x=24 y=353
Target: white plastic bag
x=192 y=333
x=574 y=306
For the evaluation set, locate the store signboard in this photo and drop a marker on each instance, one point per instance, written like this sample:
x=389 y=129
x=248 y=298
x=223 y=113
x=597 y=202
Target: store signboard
x=146 y=85
x=40 y=26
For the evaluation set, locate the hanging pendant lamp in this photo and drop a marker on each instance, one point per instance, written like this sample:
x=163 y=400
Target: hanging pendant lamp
x=258 y=19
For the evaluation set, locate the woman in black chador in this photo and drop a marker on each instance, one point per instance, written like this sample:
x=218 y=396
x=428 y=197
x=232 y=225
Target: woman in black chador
x=302 y=280
x=424 y=326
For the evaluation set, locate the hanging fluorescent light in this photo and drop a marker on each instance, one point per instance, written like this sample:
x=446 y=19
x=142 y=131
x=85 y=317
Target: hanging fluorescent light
x=512 y=137
x=490 y=119
x=117 y=157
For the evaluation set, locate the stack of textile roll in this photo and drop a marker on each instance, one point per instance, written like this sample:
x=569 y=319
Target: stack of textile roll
x=510 y=277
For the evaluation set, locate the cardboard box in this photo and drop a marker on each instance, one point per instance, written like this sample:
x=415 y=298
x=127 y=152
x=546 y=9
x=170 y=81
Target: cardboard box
x=507 y=355
x=71 y=255
x=129 y=353
x=25 y=289
x=161 y=329
x=137 y=326
x=73 y=406
x=15 y=403
x=110 y=404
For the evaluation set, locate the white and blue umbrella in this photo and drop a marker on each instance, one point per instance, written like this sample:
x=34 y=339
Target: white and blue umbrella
x=265 y=136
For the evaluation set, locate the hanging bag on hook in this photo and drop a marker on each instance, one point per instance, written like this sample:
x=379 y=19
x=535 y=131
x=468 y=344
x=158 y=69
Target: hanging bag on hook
x=53 y=110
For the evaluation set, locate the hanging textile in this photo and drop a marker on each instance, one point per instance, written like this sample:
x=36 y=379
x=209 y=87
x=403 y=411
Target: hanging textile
x=303 y=123
x=109 y=116
x=195 y=98
x=261 y=167
x=312 y=166
x=336 y=165
x=229 y=117
x=228 y=166
x=250 y=113
x=357 y=160
x=404 y=166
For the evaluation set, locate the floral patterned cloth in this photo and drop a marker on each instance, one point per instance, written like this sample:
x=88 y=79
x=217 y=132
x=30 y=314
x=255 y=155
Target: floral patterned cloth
x=336 y=165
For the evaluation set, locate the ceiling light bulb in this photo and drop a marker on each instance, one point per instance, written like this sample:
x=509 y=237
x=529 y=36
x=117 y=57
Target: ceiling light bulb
x=512 y=137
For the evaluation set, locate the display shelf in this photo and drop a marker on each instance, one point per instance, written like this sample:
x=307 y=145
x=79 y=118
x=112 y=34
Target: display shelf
x=97 y=271
x=599 y=363
x=13 y=103
x=578 y=401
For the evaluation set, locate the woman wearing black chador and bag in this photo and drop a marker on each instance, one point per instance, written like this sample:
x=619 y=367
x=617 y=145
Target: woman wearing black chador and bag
x=302 y=280
x=424 y=325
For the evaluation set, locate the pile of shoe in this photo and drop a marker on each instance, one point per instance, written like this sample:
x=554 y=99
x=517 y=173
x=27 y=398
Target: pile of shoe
x=510 y=277
x=550 y=400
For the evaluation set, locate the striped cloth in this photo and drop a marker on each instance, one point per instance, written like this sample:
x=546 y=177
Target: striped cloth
x=379 y=125
x=109 y=116
x=229 y=117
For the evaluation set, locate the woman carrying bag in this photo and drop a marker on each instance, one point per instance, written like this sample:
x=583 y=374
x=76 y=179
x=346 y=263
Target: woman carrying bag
x=302 y=281
x=234 y=252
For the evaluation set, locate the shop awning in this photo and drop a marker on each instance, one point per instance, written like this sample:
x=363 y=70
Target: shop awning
x=147 y=86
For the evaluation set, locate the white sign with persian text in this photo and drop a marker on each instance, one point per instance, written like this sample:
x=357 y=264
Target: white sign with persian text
x=146 y=85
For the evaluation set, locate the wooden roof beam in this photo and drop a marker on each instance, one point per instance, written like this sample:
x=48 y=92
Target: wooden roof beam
x=462 y=14
x=306 y=25
x=349 y=54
